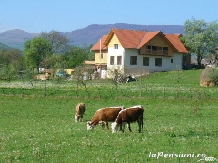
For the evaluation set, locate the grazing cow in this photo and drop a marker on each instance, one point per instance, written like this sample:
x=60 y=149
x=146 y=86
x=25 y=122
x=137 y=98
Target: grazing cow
x=128 y=115
x=80 y=110
x=103 y=116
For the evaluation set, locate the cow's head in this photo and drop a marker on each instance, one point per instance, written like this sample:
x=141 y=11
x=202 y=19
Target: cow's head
x=89 y=125
x=114 y=127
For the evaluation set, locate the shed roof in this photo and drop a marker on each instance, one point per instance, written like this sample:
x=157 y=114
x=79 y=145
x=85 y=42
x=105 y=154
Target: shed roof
x=97 y=45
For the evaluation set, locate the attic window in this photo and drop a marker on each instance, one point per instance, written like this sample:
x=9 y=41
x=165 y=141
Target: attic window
x=165 y=48
x=115 y=46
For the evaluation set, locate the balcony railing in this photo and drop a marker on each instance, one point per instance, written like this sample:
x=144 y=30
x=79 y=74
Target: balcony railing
x=156 y=52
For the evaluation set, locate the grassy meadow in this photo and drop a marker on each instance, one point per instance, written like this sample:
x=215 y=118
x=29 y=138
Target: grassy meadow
x=180 y=121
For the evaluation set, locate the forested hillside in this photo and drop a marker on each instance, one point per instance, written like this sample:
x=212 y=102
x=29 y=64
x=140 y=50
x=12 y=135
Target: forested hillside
x=85 y=36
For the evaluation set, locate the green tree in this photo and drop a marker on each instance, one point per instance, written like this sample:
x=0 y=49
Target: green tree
x=36 y=50
x=200 y=37
x=11 y=62
x=59 y=42
x=75 y=56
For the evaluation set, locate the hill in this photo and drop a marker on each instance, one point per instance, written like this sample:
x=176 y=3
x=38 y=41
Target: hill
x=92 y=33
x=85 y=36
x=16 y=38
x=3 y=46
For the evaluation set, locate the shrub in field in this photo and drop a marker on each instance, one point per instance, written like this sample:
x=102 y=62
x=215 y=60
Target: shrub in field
x=209 y=77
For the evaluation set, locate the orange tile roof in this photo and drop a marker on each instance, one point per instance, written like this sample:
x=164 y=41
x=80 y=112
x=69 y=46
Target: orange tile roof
x=136 y=39
x=97 y=45
x=129 y=38
x=176 y=42
x=147 y=37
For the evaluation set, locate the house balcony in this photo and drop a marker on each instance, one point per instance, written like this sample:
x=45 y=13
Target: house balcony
x=156 y=52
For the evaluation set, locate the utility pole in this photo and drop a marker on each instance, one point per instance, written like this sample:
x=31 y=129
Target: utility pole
x=100 y=59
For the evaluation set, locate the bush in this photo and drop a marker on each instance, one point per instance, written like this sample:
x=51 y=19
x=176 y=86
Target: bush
x=214 y=75
x=209 y=77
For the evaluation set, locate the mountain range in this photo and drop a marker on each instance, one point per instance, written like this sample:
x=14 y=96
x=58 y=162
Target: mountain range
x=85 y=36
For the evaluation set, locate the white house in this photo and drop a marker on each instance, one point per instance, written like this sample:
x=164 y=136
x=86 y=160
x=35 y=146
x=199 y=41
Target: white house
x=140 y=52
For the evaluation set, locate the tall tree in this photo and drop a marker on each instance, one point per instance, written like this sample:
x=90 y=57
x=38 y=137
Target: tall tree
x=36 y=50
x=200 y=37
x=76 y=55
x=11 y=62
x=60 y=43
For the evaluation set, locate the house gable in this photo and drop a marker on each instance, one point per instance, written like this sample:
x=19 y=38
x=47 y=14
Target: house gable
x=127 y=38
x=114 y=40
x=158 y=45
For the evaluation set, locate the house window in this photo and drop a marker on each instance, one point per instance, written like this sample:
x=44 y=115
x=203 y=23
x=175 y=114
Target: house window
x=148 y=46
x=133 y=60
x=119 y=60
x=165 y=50
x=171 y=60
x=154 y=48
x=115 y=46
x=158 y=62
x=111 y=60
x=145 y=61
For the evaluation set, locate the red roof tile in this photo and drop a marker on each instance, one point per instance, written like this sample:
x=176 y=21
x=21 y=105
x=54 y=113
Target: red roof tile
x=129 y=38
x=136 y=39
x=147 y=37
x=176 y=42
x=97 y=45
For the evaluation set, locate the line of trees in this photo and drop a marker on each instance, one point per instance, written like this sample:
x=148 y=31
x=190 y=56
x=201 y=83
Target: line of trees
x=49 y=50
x=53 y=49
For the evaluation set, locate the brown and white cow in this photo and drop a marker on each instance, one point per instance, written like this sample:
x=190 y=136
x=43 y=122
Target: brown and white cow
x=80 y=110
x=128 y=115
x=103 y=116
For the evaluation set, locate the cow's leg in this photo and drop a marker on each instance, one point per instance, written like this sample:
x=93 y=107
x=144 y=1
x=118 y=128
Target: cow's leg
x=122 y=126
x=106 y=122
x=103 y=124
x=139 y=124
x=76 y=118
x=128 y=123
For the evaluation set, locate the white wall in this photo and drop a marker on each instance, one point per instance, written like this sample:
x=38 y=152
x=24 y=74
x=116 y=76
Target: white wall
x=139 y=69
x=115 y=52
x=166 y=62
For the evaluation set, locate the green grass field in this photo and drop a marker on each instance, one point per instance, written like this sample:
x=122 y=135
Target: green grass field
x=176 y=129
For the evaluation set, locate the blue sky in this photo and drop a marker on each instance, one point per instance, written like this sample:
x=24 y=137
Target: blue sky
x=67 y=15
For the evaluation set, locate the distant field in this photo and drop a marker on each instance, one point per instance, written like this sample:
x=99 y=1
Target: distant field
x=164 y=85
x=35 y=128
